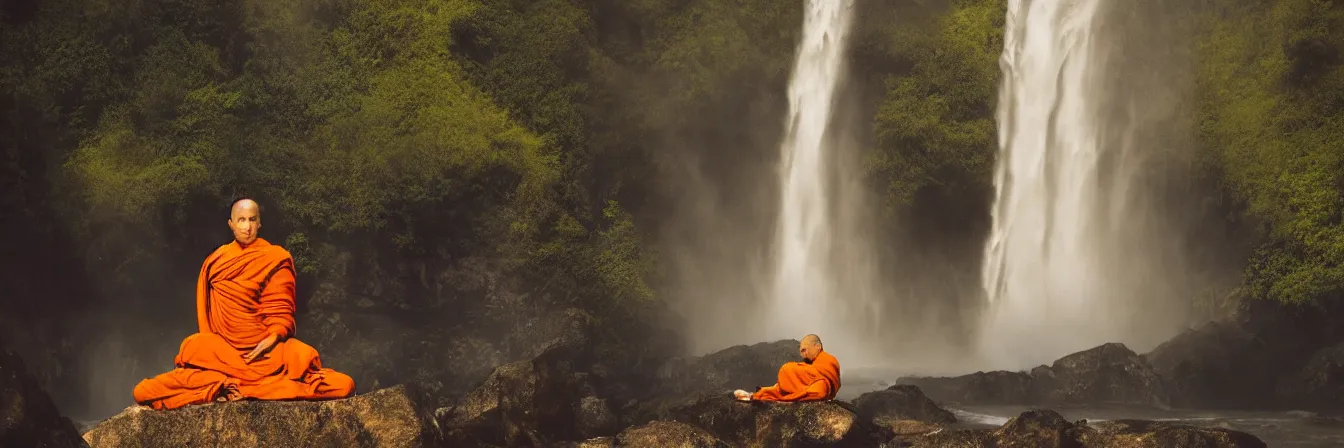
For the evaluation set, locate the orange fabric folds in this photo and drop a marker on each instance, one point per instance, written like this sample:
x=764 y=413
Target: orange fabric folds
x=243 y=296
x=800 y=381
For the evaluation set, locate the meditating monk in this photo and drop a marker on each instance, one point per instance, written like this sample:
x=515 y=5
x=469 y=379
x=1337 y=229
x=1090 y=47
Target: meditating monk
x=816 y=378
x=245 y=346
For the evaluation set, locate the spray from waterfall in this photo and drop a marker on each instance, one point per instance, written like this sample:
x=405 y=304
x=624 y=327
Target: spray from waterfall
x=1074 y=258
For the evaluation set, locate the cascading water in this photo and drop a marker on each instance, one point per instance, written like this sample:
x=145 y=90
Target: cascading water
x=804 y=283
x=1055 y=264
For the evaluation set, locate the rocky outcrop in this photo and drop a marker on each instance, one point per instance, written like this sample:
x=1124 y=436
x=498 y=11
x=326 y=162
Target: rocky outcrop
x=1320 y=383
x=1110 y=373
x=829 y=423
x=683 y=382
x=1046 y=428
x=546 y=399
x=898 y=403
x=1265 y=357
x=997 y=387
x=656 y=434
x=393 y=417
x=27 y=415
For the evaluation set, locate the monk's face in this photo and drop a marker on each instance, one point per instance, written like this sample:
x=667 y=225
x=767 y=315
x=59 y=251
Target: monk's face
x=245 y=221
x=808 y=351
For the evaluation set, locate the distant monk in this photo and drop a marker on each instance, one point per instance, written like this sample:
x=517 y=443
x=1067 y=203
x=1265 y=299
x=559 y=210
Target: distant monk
x=816 y=378
x=245 y=347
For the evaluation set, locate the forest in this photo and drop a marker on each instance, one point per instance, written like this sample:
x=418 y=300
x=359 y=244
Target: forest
x=451 y=174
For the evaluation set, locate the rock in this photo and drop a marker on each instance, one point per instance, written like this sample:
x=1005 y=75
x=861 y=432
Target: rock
x=1218 y=365
x=998 y=387
x=1251 y=360
x=534 y=402
x=901 y=402
x=1150 y=434
x=827 y=423
x=1109 y=373
x=683 y=382
x=393 y=417
x=1046 y=428
x=1042 y=428
x=1320 y=383
x=657 y=434
x=27 y=415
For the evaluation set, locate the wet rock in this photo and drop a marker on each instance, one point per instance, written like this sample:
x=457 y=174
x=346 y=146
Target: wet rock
x=393 y=417
x=901 y=402
x=683 y=382
x=1109 y=373
x=1046 y=428
x=1320 y=383
x=656 y=434
x=1258 y=359
x=534 y=402
x=997 y=387
x=1151 y=434
x=27 y=415
x=1218 y=365
x=1039 y=428
x=828 y=423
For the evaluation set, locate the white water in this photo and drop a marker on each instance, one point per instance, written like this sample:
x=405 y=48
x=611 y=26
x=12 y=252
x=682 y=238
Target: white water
x=1050 y=268
x=804 y=288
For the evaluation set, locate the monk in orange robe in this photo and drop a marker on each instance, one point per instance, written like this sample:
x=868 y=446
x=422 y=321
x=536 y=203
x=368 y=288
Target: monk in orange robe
x=245 y=346
x=816 y=378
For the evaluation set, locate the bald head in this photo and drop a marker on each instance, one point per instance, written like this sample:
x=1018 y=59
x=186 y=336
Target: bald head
x=245 y=221
x=810 y=347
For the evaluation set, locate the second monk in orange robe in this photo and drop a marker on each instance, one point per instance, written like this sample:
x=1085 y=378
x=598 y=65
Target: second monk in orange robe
x=245 y=346
x=816 y=378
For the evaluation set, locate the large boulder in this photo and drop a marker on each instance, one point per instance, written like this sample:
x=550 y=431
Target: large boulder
x=1047 y=429
x=826 y=423
x=27 y=415
x=997 y=387
x=685 y=381
x=1218 y=365
x=1110 y=373
x=1319 y=384
x=901 y=402
x=393 y=417
x=534 y=402
x=1258 y=359
x=656 y=434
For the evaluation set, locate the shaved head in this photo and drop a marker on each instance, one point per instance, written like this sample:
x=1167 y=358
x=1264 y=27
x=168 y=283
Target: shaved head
x=244 y=205
x=810 y=347
x=245 y=220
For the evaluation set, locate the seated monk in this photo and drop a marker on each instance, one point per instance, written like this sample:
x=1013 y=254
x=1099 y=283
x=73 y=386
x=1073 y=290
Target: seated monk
x=245 y=347
x=816 y=378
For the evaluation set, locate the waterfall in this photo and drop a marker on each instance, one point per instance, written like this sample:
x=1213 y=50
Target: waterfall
x=1059 y=263
x=804 y=297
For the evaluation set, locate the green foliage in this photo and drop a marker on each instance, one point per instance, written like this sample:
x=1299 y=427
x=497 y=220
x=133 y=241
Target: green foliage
x=1274 y=129
x=936 y=127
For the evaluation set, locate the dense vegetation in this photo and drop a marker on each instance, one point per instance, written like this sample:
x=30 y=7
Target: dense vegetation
x=453 y=173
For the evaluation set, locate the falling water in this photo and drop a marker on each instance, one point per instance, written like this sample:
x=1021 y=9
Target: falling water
x=804 y=284
x=1054 y=272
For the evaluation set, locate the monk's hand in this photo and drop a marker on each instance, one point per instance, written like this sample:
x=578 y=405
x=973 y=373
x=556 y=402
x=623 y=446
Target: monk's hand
x=262 y=347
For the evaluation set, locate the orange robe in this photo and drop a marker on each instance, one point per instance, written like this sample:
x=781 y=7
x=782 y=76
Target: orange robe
x=244 y=295
x=800 y=381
